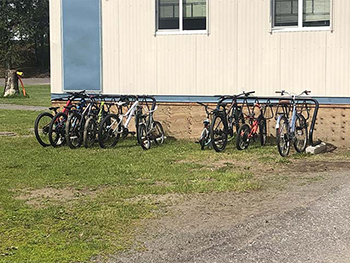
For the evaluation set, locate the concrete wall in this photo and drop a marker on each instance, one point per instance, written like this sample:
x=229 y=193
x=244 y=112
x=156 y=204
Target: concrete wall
x=185 y=121
x=239 y=52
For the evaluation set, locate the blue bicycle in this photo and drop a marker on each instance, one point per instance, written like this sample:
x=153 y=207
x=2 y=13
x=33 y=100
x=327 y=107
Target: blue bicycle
x=291 y=126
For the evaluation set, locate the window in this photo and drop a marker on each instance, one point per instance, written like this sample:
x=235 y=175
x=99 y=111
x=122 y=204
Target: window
x=181 y=15
x=301 y=13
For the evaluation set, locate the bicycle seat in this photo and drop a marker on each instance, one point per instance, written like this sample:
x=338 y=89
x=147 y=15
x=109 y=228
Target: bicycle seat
x=54 y=108
x=284 y=102
x=121 y=103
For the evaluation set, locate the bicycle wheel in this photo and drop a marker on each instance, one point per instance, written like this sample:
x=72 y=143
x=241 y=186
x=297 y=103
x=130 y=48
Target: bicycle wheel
x=74 y=130
x=283 y=142
x=263 y=132
x=109 y=131
x=239 y=120
x=57 y=130
x=158 y=133
x=301 y=139
x=144 y=139
x=90 y=131
x=41 y=128
x=242 y=140
x=218 y=133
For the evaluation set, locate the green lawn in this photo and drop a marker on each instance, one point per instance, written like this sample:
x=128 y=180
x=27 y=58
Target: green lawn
x=108 y=192
x=38 y=96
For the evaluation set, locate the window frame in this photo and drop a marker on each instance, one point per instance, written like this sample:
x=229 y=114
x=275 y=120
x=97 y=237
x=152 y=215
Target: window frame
x=300 y=26
x=181 y=31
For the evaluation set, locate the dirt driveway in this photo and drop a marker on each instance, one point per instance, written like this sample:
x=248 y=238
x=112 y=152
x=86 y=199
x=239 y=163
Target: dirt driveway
x=301 y=217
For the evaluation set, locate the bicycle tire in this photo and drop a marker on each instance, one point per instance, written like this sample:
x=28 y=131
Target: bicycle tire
x=74 y=130
x=300 y=131
x=283 y=142
x=239 y=121
x=109 y=131
x=158 y=133
x=144 y=139
x=57 y=130
x=263 y=132
x=90 y=131
x=41 y=129
x=218 y=136
x=242 y=140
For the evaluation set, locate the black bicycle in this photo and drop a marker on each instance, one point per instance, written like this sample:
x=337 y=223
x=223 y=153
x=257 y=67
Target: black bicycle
x=226 y=121
x=76 y=122
x=93 y=122
x=42 y=126
x=57 y=127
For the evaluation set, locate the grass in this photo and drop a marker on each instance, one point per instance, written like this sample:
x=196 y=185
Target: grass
x=38 y=96
x=114 y=190
x=104 y=223
x=20 y=122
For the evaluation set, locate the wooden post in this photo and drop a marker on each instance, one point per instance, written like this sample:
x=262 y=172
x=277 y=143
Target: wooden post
x=11 y=83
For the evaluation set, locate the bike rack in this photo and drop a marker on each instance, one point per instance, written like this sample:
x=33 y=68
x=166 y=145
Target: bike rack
x=302 y=102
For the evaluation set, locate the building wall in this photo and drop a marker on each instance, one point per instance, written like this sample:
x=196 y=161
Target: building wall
x=238 y=53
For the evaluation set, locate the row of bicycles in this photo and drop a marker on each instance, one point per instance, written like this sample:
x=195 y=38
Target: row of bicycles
x=244 y=119
x=88 y=119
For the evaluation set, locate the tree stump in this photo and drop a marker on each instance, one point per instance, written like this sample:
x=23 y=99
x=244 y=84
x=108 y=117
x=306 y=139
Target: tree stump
x=11 y=83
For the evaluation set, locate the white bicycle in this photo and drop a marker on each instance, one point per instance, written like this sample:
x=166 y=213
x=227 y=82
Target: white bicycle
x=149 y=130
x=112 y=126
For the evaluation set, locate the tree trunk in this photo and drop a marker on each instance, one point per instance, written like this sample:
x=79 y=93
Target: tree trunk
x=11 y=83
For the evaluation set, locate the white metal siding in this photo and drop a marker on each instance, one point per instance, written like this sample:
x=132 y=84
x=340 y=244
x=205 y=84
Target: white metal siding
x=56 y=46
x=238 y=53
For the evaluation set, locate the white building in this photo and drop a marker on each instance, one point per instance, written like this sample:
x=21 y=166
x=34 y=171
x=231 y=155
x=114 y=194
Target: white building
x=189 y=50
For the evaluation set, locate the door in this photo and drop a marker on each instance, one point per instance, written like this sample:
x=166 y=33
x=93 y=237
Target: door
x=81 y=34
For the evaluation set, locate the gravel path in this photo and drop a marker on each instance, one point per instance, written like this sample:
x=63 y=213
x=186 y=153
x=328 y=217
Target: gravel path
x=22 y=107
x=31 y=81
x=303 y=223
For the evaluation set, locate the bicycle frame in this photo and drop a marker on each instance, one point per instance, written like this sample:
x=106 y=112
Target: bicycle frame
x=293 y=118
x=130 y=113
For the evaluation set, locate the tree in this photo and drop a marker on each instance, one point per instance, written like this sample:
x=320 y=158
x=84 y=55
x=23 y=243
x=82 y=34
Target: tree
x=24 y=32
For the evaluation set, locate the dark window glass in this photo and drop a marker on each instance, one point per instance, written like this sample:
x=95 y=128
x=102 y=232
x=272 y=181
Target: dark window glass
x=286 y=12
x=168 y=13
x=316 y=13
x=195 y=15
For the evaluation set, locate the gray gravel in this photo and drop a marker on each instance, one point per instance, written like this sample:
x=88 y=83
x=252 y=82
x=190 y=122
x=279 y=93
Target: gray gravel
x=22 y=107
x=31 y=81
x=307 y=223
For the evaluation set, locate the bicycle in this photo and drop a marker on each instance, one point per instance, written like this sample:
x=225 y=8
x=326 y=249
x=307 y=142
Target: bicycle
x=205 y=139
x=291 y=129
x=76 y=123
x=112 y=127
x=226 y=120
x=248 y=132
x=57 y=127
x=149 y=130
x=93 y=122
x=42 y=126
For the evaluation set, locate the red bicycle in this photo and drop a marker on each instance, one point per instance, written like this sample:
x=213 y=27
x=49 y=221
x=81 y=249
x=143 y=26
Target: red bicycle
x=248 y=132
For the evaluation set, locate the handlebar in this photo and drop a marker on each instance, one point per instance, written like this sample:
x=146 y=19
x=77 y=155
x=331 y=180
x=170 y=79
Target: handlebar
x=282 y=92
